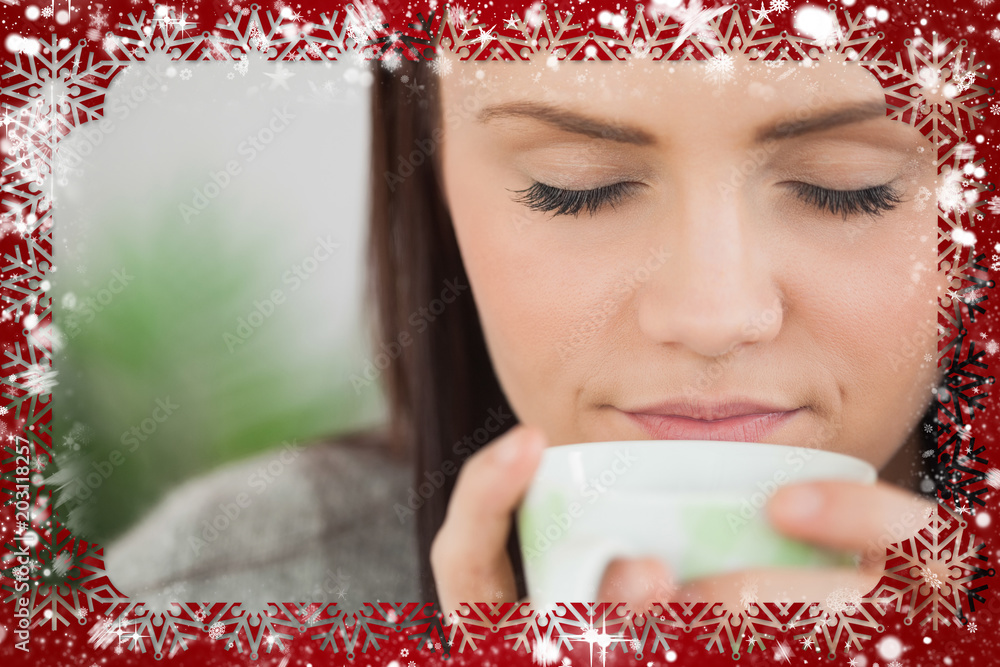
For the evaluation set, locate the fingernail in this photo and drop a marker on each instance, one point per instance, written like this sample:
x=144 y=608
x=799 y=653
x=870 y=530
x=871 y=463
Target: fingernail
x=799 y=503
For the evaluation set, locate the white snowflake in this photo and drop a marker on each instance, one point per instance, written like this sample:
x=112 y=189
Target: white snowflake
x=748 y=593
x=392 y=61
x=694 y=19
x=364 y=19
x=545 y=652
x=779 y=5
x=441 y=66
x=185 y=74
x=460 y=16
x=98 y=19
x=995 y=34
x=485 y=37
x=719 y=69
x=994 y=203
x=47 y=11
x=846 y=600
x=972 y=296
x=216 y=629
x=930 y=578
x=404 y=652
x=928 y=357
x=984 y=3
x=951 y=195
x=39 y=379
x=971 y=627
x=993 y=478
x=928 y=428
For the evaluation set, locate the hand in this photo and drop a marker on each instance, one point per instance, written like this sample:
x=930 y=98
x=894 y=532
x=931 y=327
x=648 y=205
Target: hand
x=854 y=517
x=469 y=552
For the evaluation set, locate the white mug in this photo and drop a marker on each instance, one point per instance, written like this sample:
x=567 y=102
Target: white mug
x=697 y=505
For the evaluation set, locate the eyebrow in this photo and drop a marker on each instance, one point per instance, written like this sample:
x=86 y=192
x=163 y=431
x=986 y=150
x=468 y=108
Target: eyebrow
x=568 y=121
x=846 y=115
x=577 y=123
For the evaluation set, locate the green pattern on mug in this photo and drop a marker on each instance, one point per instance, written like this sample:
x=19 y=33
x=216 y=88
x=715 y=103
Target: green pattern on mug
x=723 y=546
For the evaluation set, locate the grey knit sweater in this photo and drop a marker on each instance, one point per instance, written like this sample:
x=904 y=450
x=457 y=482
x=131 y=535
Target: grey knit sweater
x=313 y=523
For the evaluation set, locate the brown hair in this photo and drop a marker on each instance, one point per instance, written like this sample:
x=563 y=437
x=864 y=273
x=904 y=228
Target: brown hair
x=442 y=386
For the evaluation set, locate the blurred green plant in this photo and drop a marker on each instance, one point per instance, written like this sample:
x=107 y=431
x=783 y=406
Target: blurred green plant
x=148 y=392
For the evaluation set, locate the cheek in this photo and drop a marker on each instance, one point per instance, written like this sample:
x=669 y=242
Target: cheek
x=542 y=287
x=870 y=308
x=522 y=282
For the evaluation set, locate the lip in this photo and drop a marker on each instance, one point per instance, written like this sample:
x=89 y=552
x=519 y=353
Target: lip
x=736 y=420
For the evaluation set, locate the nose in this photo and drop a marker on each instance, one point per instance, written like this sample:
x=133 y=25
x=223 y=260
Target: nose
x=717 y=292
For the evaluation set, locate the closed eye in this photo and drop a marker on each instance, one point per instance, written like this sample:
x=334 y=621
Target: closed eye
x=541 y=197
x=872 y=201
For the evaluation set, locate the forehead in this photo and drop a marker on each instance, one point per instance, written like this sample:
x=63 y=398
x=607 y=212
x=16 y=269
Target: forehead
x=721 y=96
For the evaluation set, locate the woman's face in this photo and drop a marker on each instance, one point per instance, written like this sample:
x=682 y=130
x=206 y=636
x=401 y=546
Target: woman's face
x=712 y=271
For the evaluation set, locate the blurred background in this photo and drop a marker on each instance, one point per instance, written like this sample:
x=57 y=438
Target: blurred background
x=209 y=268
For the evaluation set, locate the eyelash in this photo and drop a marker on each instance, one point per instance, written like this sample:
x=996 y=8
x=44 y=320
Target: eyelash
x=541 y=197
x=872 y=201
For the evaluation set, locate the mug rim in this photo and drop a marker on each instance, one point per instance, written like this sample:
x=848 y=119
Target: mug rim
x=555 y=457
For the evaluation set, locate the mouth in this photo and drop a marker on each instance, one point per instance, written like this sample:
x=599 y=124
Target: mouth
x=737 y=421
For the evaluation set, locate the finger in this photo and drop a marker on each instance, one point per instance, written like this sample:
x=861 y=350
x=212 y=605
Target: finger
x=638 y=582
x=469 y=553
x=738 y=590
x=849 y=515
